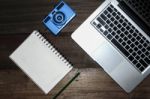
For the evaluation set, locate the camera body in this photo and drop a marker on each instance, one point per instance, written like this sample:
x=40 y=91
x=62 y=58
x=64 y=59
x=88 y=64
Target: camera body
x=59 y=17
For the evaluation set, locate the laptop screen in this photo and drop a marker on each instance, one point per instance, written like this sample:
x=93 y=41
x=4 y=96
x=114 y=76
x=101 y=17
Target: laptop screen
x=138 y=11
x=141 y=7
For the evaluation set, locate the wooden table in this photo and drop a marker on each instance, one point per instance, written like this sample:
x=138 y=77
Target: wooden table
x=18 y=18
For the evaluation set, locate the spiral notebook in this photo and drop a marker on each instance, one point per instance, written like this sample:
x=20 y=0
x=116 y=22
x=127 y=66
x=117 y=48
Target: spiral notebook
x=41 y=61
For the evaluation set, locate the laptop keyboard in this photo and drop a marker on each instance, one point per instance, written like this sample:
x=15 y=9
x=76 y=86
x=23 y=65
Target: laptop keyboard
x=122 y=34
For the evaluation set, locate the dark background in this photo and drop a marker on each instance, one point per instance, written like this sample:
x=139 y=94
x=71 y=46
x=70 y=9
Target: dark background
x=18 y=18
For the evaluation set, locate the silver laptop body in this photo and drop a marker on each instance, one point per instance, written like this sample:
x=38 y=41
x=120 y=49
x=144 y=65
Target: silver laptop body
x=116 y=43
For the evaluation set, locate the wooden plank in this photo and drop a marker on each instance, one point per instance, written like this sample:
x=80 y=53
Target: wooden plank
x=91 y=84
x=24 y=16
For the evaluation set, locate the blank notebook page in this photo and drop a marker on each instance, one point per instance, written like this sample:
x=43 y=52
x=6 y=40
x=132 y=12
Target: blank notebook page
x=41 y=61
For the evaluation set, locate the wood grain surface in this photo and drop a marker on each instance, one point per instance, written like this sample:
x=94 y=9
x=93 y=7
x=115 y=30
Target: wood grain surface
x=18 y=18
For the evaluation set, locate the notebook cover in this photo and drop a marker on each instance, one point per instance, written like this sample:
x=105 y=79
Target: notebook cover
x=41 y=61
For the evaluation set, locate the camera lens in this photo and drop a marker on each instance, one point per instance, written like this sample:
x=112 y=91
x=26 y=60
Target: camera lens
x=59 y=18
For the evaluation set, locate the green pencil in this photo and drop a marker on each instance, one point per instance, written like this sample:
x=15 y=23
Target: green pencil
x=77 y=74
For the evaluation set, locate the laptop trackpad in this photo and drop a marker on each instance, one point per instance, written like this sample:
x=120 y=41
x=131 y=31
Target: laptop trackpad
x=107 y=57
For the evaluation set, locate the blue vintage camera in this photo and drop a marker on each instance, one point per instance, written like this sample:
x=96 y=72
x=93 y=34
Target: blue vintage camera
x=59 y=17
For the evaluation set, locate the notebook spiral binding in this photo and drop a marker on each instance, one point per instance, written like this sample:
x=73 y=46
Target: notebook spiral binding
x=53 y=49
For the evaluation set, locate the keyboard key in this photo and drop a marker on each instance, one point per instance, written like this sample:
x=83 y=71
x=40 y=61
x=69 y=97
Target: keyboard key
x=138 y=65
x=135 y=61
x=105 y=12
x=140 y=46
x=122 y=29
x=115 y=28
x=108 y=15
x=141 y=41
x=122 y=35
x=147 y=53
x=110 y=30
x=134 y=34
x=101 y=30
x=118 y=13
x=106 y=26
x=135 y=49
x=111 y=6
x=109 y=9
x=114 y=14
x=117 y=17
x=137 y=57
x=124 y=24
x=116 y=22
x=118 y=31
x=138 y=38
x=120 y=47
x=112 y=19
x=111 y=25
x=132 y=45
x=123 y=43
x=126 y=20
x=139 y=52
x=131 y=58
x=103 y=17
x=137 y=31
x=115 y=10
x=122 y=17
x=143 y=63
x=121 y=21
x=136 y=43
x=133 y=27
x=127 y=47
x=100 y=21
x=108 y=21
x=105 y=33
x=130 y=50
x=113 y=33
x=120 y=40
x=133 y=39
x=129 y=24
x=131 y=31
x=147 y=60
x=116 y=36
x=129 y=42
x=98 y=26
x=140 y=35
x=119 y=26
x=142 y=56
x=94 y=23
x=125 y=38
x=127 y=27
x=141 y=68
x=129 y=36
x=148 y=48
x=109 y=36
x=143 y=50
x=126 y=33
x=145 y=44
x=134 y=54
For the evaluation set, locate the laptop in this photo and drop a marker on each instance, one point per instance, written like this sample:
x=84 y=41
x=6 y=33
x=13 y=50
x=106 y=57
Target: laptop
x=117 y=37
